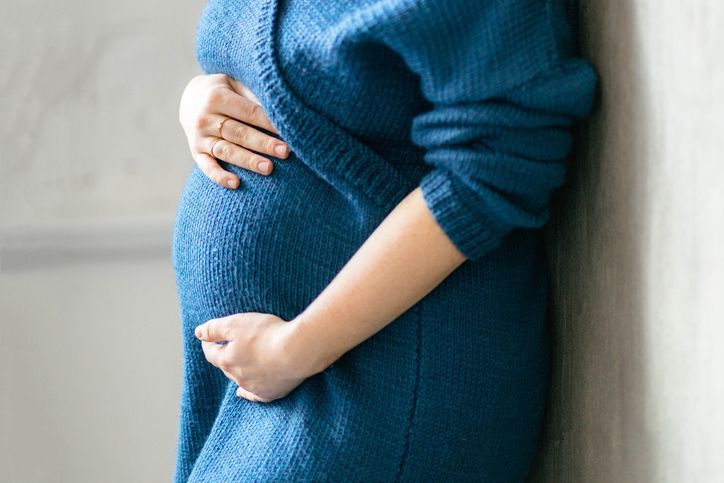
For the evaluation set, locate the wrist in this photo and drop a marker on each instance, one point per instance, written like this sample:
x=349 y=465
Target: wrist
x=310 y=353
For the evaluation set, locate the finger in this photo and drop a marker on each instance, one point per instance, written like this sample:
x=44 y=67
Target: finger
x=244 y=91
x=210 y=167
x=236 y=155
x=227 y=101
x=244 y=135
x=214 y=330
x=213 y=353
x=241 y=392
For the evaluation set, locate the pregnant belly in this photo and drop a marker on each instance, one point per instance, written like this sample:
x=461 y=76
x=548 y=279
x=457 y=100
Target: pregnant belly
x=270 y=246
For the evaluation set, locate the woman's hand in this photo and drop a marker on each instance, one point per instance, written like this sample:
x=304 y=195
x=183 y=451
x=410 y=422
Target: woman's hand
x=216 y=113
x=259 y=352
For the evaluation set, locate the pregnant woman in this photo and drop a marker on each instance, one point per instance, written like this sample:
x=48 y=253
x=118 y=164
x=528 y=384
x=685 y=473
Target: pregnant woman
x=371 y=307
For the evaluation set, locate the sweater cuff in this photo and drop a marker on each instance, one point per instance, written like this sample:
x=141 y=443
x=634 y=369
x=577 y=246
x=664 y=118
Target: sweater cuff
x=471 y=235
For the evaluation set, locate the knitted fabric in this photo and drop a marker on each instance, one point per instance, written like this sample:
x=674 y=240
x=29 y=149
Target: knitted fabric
x=473 y=101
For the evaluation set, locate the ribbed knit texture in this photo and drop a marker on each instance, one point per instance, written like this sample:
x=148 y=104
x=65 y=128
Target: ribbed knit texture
x=473 y=101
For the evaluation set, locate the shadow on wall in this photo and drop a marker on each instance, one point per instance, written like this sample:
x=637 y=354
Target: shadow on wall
x=595 y=426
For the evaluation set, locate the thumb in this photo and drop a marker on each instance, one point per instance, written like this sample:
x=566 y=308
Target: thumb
x=214 y=330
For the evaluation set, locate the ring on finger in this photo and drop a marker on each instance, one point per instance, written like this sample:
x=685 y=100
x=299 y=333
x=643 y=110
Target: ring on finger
x=220 y=125
x=211 y=148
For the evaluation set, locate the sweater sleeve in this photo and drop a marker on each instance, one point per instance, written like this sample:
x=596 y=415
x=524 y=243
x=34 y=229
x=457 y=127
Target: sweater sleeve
x=504 y=84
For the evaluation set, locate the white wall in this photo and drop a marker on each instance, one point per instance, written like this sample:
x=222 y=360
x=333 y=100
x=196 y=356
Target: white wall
x=638 y=253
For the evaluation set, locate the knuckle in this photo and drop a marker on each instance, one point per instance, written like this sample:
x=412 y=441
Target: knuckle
x=253 y=110
x=216 y=172
x=200 y=122
x=242 y=133
x=215 y=96
x=223 y=150
x=217 y=177
x=270 y=145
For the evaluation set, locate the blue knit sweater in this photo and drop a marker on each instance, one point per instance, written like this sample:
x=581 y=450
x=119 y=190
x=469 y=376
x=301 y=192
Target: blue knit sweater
x=473 y=101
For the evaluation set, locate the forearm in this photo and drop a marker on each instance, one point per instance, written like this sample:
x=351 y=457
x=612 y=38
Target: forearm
x=406 y=257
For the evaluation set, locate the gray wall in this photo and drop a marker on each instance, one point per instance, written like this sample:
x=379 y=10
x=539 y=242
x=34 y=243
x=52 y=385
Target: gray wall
x=637 y=248
x=90 y=91
x=92 y=161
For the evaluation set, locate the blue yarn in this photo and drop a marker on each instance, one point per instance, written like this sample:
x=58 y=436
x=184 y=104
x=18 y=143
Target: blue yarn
x=473 y=102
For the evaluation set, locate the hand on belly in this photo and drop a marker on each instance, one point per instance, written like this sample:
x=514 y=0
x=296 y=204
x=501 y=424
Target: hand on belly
x=258 y=353
x=217 y=114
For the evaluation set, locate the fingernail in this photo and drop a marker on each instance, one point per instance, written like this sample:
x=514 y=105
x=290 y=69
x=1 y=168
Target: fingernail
x=264 y=166
x=280 y=149
x=197 y=332
x=231 y=183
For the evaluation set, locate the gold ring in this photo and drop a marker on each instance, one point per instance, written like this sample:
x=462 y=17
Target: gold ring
x=220 y=124
x=211 y=149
